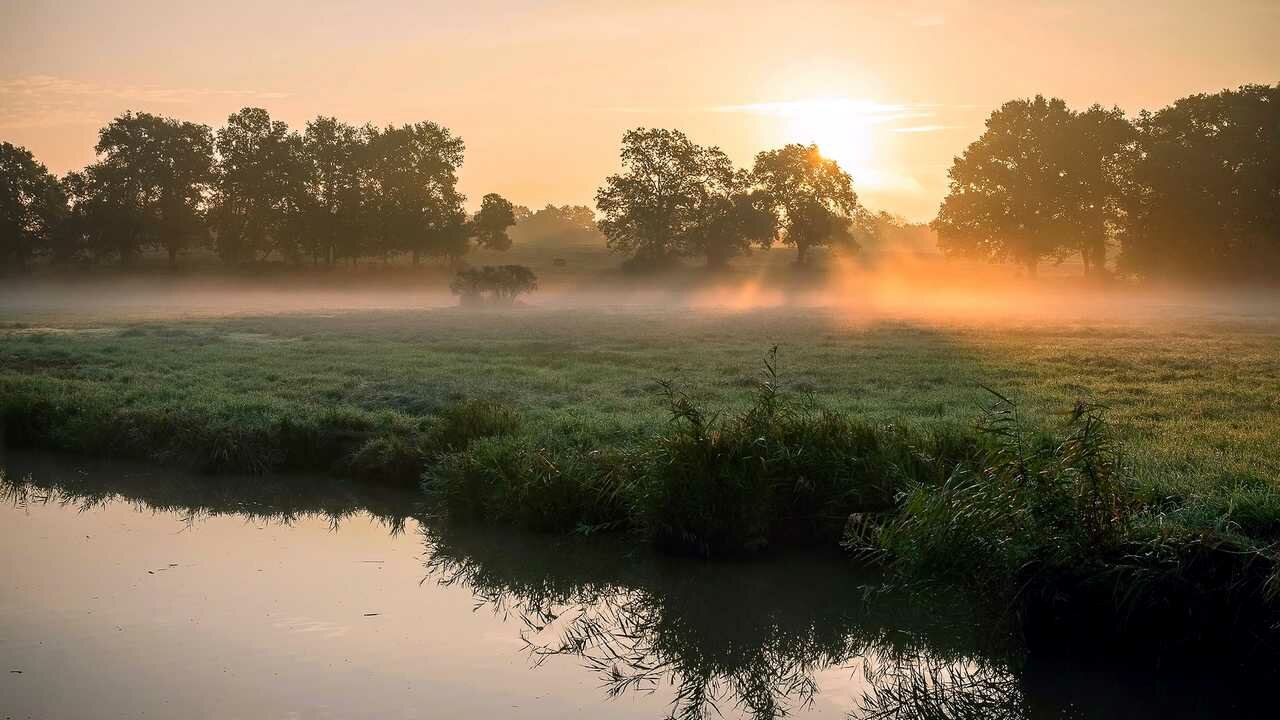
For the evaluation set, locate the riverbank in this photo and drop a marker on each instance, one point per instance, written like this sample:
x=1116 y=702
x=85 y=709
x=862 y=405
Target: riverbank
x=869 y=436
x=346 y=590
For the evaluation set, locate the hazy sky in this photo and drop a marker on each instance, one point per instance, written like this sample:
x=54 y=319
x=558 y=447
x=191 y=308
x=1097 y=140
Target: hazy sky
x=542 y=91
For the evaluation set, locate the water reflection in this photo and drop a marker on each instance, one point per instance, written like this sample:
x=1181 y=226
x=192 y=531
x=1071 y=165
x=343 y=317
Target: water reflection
x=84 y=484
x=751 y=638
x=786 y=635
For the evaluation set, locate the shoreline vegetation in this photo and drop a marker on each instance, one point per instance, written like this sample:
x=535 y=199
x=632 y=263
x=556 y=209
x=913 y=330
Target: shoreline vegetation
x=1051 y=524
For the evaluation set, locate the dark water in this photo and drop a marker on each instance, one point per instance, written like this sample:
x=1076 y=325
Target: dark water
x=131 y=591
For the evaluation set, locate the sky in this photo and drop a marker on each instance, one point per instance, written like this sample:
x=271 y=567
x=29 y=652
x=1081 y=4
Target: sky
x=542 y=91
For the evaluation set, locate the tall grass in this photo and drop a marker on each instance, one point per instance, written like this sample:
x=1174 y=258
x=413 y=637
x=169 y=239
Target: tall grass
x=1056 y=529
x=226 y=434
x=780 y=472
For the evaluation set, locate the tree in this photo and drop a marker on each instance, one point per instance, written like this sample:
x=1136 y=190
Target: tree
x=729 y=218
x=1098 y=165
x=811 y=196
x=412 y=191
x=1041 y=182
x=489 y=226
x=101 y=220
x=564 y=225
x=1206 y=199
x=648 y=207
x=333 y=152
x=500 y=284
x=32 y=206
x=259 y=185
x=896 y=233
x=160 y=170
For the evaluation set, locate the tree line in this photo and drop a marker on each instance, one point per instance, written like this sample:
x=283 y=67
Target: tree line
x=1191 y=190
x=250 y=191
x=675 y=199
x=1188 y=191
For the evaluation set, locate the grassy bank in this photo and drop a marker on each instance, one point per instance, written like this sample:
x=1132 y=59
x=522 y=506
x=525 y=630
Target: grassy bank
x=657 y=423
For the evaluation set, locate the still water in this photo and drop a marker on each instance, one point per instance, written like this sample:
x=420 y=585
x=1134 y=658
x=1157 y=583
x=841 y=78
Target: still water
x=132 y=591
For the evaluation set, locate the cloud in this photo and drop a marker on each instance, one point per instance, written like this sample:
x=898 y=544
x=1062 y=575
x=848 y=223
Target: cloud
x=44 y=100
x=924 y=128
x=868 y=112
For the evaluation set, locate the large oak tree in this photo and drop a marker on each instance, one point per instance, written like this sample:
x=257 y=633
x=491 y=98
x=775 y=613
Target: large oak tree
x=1041 y=182
x=812 y=197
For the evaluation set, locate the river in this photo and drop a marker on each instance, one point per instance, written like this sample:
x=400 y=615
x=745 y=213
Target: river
x=135 y=591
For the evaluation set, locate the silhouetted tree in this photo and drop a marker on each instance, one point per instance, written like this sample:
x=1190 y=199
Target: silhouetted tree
x=568 y=224
x=259 y=180
x=1206 y=200
x=1099 y=162
x=489 y=226
x=811 y=196
x=648 y=207
x=107 y=217
x=730 y=218
x=161 y=169
x=412 y=191
x=334 y=151
x=32 y=206
x=1041 y=182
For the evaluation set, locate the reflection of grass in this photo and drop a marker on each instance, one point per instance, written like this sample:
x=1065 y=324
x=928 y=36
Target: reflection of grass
x=39 y=478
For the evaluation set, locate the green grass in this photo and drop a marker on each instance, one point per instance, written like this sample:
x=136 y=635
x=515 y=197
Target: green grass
x=655 y=422
x=1197 y=403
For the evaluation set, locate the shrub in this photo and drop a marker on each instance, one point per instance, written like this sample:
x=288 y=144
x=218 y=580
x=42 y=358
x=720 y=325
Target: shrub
x=495 y=284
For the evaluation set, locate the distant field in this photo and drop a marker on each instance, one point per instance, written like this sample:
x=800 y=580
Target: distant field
x=1197 y=400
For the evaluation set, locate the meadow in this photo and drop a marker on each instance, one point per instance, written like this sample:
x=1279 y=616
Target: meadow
x=674 y=419
x=1195 y=400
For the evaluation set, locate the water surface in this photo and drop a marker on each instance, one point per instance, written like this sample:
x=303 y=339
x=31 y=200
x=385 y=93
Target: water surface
x=133 y=591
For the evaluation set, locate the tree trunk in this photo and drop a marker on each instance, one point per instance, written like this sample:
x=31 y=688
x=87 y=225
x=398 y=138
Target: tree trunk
x=415 y=257
x=717 y=261
x=173 y=255
x=802 y=253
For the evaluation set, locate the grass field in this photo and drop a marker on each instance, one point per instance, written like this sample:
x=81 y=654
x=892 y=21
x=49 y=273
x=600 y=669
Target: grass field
x=1197 y=402
x=561 y=417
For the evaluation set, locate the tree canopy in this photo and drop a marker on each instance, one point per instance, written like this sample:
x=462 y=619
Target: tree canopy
x=489 y=226
x=1189 y=191
x=261 y=176
x=812 y=197
x=32 y=206
x=647 y=209
x=1206 y=187
x=1041 y=182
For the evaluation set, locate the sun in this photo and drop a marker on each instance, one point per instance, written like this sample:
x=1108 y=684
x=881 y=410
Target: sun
x=839 y=131
x=844 y=129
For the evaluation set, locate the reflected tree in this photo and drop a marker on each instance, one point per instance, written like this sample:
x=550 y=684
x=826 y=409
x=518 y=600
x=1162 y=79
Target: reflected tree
x=750 y=639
